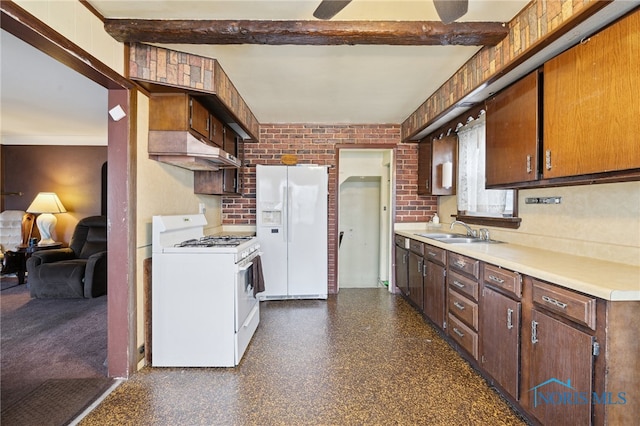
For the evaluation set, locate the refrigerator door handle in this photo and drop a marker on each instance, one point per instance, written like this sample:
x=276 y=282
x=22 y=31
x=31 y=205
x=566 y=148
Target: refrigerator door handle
x=289 y=213
x=285 y=219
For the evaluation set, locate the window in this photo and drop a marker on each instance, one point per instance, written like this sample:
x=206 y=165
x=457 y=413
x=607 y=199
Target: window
x=475 y=203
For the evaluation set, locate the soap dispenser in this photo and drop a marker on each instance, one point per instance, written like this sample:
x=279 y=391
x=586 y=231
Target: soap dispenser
x=435 y=219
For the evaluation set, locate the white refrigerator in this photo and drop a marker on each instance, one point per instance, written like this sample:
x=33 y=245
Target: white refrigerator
x=291 y=226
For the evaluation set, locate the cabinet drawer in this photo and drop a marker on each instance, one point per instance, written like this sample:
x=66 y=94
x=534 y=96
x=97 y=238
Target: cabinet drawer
x=464 y=309
x=435 y=254
x=462 y=334
x=463 y=285
x=399 y=239
x=504 y=279
x=464 y=264
x=417 y=247
x=576 y=307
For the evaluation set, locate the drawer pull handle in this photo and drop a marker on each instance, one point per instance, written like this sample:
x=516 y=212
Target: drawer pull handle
x=509 y=319
x=458 y=332
x=458 y=284
x=432 y=254
x=460 y=263
x=554 y=302
x=459 y=305
x=496 y=279
x=534 y=332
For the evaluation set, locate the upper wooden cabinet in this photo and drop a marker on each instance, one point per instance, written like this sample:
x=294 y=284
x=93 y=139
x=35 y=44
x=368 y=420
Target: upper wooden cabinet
x=513 y=123
x=591 y=104
x=432 y=156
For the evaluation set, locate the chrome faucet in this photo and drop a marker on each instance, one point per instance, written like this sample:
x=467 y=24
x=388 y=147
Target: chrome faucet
x=470 y=232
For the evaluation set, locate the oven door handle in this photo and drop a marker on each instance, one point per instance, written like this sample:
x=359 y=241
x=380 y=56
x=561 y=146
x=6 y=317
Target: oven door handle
x=245 y=267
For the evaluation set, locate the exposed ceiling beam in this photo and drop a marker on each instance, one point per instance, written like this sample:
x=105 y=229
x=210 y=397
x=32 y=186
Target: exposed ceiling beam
x=398 y=33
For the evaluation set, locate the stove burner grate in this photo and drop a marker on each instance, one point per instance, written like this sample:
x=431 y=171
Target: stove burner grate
x=214 y=241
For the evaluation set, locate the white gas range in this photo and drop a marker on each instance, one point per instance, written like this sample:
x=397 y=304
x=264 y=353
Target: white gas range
x=204 y=308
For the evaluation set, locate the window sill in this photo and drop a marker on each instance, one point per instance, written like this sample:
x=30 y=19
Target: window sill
x=500 y=222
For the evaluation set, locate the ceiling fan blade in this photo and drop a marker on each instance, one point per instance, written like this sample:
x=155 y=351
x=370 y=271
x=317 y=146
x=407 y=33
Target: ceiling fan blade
x=327 y=9
x=450 y=10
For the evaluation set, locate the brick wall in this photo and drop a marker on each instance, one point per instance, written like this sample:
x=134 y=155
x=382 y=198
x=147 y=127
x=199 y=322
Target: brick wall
x=316 y=144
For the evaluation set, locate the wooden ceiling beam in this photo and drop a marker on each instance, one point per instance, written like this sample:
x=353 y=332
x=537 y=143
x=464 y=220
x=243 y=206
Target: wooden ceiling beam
x=397 y=33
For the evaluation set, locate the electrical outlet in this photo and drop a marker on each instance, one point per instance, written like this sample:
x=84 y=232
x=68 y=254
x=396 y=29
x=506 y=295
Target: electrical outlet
x=201 y=208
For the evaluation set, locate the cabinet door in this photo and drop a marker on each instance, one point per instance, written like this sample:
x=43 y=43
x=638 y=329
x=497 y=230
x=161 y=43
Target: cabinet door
x=415 y=280
x=434 y=292
x=199 y=118
x=431 y=159
x=561 y=371
x=217 y=133
x=230 y=181
x=591 y=104
x=512 y=133
x=402 y=270
x=424 y=168
x=500 y=339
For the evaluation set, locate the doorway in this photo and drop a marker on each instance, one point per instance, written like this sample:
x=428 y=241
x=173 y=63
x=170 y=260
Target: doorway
x=364 y=217
x=359 y=245
x=121 y=268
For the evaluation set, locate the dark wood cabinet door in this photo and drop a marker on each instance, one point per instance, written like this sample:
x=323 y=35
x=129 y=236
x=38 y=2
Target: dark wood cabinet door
x=432 y=155
x=434 y=293
x=402 y=270
x=591 y=104
x=561 y=366
x=199 y=118
x=424 y=168
x=230 y=181
x=415 y=280
x=512 y=139
x=500 y=339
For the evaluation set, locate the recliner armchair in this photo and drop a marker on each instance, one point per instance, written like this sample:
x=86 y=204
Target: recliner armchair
x=79 y=271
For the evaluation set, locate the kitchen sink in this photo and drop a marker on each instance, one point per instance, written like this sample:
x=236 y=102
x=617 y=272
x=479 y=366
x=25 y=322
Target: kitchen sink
x=456 y=238
x=440 y=236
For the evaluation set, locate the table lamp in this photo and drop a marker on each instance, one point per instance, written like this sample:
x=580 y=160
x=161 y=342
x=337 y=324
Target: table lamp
x=47 y=204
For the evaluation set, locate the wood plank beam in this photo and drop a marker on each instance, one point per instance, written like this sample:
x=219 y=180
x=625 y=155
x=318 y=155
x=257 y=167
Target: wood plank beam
x=397 y=33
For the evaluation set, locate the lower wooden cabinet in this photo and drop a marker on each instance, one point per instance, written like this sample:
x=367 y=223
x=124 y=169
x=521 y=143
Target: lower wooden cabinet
x=416 y=284
x=561 y=357
x=434 y=284
x=500 y=339
x=402 y=265
x=560 y=384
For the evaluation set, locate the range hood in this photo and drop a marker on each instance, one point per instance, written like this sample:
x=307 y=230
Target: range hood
x=182 y=149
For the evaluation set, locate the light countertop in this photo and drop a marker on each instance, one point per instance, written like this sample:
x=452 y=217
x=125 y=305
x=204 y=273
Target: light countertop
x=606 y=280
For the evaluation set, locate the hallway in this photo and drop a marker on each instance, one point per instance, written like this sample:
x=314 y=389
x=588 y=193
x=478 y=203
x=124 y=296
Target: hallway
x=363 y=357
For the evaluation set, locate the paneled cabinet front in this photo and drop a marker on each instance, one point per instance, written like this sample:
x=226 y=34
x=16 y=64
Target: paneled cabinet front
x=591 y=104
x=512 y=138
x=402 y=265
x=462 y=296
x=434 y=284
x=433 y=176
x=416 y=281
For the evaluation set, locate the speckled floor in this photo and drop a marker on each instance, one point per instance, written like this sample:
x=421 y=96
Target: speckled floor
x=363 y=357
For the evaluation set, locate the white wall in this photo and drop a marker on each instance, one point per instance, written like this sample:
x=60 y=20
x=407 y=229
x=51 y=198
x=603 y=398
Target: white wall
x=595 y=221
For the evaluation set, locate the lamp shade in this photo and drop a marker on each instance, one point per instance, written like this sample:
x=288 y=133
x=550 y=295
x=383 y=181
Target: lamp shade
x=46 y=202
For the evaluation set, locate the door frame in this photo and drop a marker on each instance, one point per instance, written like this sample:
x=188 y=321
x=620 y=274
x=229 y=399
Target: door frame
x=121 y=306
x=392 y=207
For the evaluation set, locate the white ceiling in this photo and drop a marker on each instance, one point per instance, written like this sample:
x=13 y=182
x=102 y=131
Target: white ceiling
x=281 y=84
x=325 y=84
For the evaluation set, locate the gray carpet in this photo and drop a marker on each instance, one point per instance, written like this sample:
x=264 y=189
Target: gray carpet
x=46 y=342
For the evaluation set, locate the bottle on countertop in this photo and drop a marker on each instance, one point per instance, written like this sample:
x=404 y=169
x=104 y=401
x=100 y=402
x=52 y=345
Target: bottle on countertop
x=435 y=219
